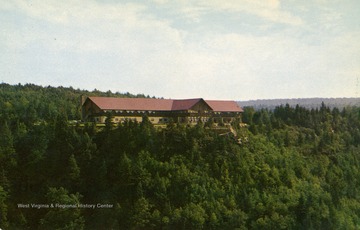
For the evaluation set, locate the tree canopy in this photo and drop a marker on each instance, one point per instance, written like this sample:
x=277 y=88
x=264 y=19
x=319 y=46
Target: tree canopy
x=290 y=168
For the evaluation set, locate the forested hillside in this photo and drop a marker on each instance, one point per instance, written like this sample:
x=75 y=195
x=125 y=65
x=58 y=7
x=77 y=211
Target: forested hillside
x=294 y=168
x=32 y=103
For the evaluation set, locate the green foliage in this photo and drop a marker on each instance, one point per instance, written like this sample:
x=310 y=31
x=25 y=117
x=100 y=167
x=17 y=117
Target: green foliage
x=60 y=217
x=292 y=168
x=3 y=208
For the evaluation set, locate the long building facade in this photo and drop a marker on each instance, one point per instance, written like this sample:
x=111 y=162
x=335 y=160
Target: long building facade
x=159 y=111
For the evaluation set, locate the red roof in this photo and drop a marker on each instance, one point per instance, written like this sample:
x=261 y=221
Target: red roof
x=224 y=106
x=147 y=104
x=185 y=104
x=150 y=104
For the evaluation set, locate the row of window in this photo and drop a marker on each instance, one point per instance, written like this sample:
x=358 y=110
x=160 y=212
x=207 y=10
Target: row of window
x=165 y=119
x=151 y=112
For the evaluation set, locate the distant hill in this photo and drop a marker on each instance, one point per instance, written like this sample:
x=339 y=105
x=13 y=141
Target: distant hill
x=304 y=102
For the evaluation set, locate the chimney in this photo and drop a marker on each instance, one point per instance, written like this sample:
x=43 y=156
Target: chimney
x=82 y=101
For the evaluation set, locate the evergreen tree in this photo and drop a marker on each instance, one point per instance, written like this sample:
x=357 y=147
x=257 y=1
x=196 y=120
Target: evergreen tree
x=64 y=214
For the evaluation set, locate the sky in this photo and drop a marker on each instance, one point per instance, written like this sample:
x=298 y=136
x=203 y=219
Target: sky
x=212 y=49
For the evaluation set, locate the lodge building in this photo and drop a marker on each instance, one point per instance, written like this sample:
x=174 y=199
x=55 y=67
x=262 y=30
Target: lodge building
x=159 y=111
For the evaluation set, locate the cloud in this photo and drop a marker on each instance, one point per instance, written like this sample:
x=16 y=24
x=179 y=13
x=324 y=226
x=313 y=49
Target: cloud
x=131 y=47
x=88 y=40
x=269 y=10
x=88 y=26
x=77 y=12
x=266 y=9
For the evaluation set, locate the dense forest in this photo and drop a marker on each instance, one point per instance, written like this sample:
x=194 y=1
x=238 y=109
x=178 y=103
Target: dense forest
x=289 y=168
